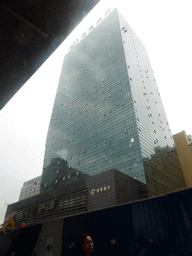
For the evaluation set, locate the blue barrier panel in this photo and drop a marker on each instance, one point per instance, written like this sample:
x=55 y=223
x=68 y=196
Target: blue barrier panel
x=158 y=226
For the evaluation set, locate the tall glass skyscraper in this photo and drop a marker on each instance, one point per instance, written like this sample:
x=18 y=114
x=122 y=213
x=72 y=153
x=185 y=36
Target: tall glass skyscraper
x=108 y=113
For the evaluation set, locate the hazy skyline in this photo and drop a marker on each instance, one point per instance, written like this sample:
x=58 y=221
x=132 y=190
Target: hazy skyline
x=164 y=27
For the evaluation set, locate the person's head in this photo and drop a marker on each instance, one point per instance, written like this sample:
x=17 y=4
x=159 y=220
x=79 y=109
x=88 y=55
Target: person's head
x=85 y=245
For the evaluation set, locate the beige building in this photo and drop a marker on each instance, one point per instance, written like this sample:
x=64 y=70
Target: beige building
x=30 y=188
x=183 y=144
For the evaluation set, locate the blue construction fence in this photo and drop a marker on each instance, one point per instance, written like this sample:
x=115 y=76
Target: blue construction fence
x=160 y=226
x=154 y=227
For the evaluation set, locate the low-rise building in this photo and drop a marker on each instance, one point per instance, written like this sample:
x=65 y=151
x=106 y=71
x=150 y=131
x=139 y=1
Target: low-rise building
x=30 y=188
x=183 y=144
x=100 y=191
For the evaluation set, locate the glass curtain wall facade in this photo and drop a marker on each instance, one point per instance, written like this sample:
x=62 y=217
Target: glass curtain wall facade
x=108 y=114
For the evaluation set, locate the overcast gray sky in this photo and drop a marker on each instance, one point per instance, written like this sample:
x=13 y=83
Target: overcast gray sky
x=164 y=26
